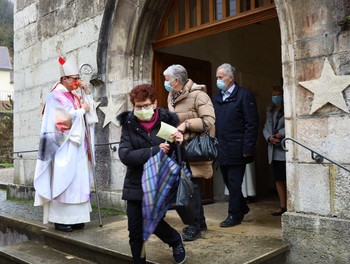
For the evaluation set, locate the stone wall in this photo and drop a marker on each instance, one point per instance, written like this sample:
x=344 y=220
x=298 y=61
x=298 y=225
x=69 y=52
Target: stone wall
x=316 y=239
x=101 y=33
x=45 y=30
x=318 y=195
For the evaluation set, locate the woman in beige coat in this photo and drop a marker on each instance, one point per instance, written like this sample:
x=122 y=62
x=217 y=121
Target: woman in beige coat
x=193 y=106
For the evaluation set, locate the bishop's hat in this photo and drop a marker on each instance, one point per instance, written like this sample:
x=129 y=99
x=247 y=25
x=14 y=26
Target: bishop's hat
x=68 y=67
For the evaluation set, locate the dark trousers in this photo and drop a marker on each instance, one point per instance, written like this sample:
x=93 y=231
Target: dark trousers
x=164 y=231
x=233 y=178
x=198 y=210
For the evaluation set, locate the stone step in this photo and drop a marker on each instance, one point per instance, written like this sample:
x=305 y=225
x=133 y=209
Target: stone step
x=257 y=240
x=35 y=251
x=109 y=244
x=98 y=248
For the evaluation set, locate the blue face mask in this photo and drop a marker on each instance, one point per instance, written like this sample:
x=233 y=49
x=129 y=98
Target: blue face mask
x=277 y=99
x=221 y=84
x=168 y=87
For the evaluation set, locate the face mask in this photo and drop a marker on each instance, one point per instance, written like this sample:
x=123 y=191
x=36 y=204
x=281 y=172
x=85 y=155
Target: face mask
x=221 y=84
x=144 y=114
x=277 y=100
x=75 y=84
x=168 y=87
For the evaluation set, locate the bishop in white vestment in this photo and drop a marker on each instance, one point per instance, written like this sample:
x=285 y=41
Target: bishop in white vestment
x=64 y=168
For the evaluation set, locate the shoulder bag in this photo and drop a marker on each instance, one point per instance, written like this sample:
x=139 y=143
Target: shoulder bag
x=202 y=148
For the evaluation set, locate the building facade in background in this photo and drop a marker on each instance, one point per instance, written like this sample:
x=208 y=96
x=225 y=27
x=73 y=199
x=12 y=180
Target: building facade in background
x=6 y=78
x=304 y=45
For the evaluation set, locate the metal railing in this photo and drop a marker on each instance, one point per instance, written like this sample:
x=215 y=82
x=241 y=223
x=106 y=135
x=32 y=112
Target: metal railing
x=317 y=157
x=4 y=95
x=110 y=144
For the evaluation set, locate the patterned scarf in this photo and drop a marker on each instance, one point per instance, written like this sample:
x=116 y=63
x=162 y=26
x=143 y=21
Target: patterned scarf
x=175 y=96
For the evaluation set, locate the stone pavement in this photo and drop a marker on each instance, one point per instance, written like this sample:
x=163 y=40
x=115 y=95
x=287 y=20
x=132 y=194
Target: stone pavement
x=254 y=241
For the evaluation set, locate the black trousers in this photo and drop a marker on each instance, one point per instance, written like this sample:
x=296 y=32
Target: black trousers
x=233 y=178
x=198 y=210
x=164 y=231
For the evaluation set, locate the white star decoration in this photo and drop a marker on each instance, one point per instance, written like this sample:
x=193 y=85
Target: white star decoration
x=328 y=89
x=111 y=111
x=96 y=104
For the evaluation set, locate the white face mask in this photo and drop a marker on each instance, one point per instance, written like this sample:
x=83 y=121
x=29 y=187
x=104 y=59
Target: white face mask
x=144 y=114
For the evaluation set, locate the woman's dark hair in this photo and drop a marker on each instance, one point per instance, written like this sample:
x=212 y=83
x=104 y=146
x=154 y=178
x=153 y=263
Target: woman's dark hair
x=142 y=92
x=277 y=88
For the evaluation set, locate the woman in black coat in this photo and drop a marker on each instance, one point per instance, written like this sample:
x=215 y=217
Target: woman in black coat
x=138 y=143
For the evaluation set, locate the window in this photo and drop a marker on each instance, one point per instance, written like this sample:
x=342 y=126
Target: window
x=186 y=20
x=184 y=15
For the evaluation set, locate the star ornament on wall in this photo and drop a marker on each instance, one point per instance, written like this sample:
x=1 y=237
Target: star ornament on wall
x=111 y=111
x=328 y=89
x=96 y=105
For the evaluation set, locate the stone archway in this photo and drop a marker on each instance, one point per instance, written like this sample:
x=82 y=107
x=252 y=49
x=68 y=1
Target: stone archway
x=125 y=52
x=139 y=25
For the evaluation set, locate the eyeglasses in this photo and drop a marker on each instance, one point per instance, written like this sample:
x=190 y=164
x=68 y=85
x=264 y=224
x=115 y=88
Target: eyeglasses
x=74 y=78
x=145 y=106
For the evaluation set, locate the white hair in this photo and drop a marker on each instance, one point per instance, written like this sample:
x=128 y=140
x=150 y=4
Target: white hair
x=177 y=71
x=228 y=69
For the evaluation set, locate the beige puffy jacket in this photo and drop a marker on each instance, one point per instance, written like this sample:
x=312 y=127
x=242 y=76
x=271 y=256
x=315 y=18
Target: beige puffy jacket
x=192 y=106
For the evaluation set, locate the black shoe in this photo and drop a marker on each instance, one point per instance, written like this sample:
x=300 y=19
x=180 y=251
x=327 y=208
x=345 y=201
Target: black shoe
x=192 y=233
x=78 y=226
x=279 y=212
x=179 y=253
x=229 y=221
x=203 y=228
x=63 y=227
x=246 y=211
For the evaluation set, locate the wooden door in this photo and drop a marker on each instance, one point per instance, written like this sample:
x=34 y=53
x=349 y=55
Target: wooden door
x=200 y=72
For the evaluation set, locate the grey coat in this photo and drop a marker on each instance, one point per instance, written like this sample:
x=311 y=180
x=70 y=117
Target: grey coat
x=275 y=152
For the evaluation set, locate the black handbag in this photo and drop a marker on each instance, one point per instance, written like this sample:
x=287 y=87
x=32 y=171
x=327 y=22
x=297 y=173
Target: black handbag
x=184 y=204
x=202 y=148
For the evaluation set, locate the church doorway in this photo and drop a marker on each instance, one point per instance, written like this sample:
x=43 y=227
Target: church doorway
x=201 y=35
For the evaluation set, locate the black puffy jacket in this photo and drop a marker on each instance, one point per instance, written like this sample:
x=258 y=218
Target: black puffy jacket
x=137 y=146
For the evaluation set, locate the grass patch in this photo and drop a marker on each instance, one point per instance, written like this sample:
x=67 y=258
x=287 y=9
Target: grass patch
x=105 y=211
x=15 y=199
x=6 y=165
x=108 y=211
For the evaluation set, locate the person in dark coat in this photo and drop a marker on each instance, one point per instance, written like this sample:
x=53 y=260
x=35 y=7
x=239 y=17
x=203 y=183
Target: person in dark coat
x=137 y=144
x=236 y=131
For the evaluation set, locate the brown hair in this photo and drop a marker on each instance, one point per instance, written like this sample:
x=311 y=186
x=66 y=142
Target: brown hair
x=142 y=92
x=277 y=88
